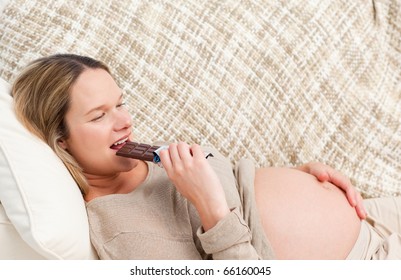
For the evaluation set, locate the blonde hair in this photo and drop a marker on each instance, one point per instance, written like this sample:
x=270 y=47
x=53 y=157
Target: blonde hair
x=42 y=98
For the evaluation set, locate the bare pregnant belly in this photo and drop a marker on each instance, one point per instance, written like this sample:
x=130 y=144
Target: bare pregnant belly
x=304 y=218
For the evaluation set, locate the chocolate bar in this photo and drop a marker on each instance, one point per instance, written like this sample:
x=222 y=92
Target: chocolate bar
x=143 y=151
x=138 y=151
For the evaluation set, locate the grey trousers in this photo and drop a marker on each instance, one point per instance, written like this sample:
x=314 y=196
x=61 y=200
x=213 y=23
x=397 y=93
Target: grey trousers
x=380 y=234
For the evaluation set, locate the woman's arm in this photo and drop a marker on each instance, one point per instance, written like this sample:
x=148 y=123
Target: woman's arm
x=195 y=179
x=224 y=233
x=326 y=173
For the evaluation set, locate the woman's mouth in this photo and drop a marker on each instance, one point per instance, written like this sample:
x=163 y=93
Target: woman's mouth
x=118 y=145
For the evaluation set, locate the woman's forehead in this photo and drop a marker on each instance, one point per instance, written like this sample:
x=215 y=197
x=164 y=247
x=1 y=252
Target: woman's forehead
x=93 y=88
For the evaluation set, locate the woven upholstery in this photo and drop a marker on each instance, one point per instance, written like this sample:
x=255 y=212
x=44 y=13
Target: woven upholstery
x=281 y=82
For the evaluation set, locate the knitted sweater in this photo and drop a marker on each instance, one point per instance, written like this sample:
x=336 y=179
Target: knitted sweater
x=156 y=222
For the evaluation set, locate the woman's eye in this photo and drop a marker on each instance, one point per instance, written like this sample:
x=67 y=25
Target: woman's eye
x=97 y=118
x=122 y=104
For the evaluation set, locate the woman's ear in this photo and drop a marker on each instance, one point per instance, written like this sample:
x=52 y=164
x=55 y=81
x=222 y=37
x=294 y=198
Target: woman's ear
x=62 y=143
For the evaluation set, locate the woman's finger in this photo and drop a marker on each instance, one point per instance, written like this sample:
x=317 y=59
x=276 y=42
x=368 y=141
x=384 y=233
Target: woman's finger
x=165 y=159
x=184 y=151
x=174 y=154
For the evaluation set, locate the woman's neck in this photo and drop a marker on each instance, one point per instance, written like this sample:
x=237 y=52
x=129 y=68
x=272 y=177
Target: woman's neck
x=119 y=183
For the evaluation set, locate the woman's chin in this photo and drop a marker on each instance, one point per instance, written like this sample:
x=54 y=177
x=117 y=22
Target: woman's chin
x=129 y=163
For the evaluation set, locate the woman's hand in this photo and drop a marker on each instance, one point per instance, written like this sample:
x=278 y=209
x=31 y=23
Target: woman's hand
x=325 y=173
x=194 y=178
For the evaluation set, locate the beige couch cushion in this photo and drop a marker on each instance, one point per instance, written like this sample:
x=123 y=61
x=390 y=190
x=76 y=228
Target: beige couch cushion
x=281 y=82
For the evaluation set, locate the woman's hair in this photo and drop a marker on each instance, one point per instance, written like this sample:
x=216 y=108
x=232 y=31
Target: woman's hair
x=42 y=98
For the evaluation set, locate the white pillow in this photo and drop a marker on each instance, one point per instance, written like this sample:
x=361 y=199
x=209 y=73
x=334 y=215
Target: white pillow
x=38 y=194
x=11 y=244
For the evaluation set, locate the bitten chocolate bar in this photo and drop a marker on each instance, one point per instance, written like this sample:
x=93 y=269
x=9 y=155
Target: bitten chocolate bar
x=143 y=151
x=138 y=151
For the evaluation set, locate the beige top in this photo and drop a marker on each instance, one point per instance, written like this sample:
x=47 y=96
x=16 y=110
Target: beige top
x=156 y=222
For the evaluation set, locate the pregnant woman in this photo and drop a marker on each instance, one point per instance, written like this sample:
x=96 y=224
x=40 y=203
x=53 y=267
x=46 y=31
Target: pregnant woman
x=192 y=207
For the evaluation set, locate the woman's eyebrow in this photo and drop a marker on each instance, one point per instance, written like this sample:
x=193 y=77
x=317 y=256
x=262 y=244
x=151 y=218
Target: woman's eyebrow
x=103 y=105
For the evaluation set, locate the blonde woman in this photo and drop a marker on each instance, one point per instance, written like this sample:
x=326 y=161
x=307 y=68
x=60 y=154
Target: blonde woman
x=193 y=207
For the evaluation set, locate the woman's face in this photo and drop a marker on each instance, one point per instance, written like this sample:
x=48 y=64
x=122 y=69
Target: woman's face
x=98 y=123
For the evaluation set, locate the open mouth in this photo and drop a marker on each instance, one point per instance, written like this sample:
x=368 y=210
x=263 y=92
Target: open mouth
x=118 y=145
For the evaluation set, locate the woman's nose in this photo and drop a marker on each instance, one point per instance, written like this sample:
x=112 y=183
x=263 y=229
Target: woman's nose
x=123 y=120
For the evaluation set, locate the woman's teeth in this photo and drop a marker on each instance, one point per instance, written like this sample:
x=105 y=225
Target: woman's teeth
x=120 y=142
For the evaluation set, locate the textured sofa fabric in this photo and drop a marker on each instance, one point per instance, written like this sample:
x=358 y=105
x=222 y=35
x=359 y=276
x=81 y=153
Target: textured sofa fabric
x=280 y=82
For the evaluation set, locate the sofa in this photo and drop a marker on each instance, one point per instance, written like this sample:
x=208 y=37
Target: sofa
x=279 y=82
